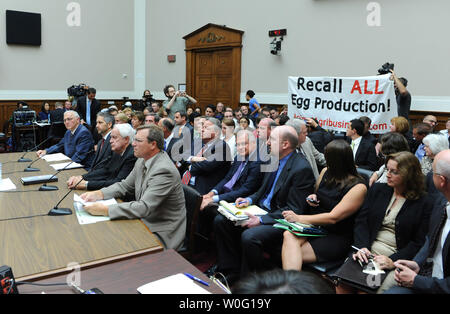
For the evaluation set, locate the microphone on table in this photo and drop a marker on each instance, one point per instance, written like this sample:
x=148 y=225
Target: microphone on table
x=56 y=211
x=21 y=159
x=46 y=187
x=29 y=169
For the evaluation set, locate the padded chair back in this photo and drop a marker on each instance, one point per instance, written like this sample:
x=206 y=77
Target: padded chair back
x=56 y=132
x=366 y=174
x=193 y=201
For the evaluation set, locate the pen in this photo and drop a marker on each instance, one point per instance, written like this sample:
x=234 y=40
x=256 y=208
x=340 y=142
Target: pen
x=369 y=255
x=197 y=279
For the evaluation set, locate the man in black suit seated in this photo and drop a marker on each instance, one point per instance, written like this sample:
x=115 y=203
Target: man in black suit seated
x=167 y=125
x=244 y=177
x=88 y=107
x=363 y=149
x=104 y=125
x=118 y=167
x=210 y=161
x=285 y=187
x=429 y=271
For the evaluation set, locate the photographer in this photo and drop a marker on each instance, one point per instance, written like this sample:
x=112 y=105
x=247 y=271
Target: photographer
x=146 y=101
x=402 y=95
x=176 y=101
x=318 y=135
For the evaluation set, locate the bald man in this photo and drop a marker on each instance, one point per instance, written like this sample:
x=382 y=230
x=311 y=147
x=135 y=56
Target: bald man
x=288 y=184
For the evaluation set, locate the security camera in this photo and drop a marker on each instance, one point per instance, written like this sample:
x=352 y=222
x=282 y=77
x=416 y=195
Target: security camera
x=275 y=46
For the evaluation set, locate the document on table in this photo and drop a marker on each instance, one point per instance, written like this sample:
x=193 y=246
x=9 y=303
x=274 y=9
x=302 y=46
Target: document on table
x=60 y=166
x=55 y=157
x=83 y=216
x=175 y=284
x=7 y=185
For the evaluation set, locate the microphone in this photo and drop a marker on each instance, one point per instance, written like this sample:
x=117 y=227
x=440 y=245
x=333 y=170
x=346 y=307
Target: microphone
x=28 y=169
x=56 y=211
x=46 y=187
x=21 y=159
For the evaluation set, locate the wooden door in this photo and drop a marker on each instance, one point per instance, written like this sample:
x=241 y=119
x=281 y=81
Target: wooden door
x=213 y=65
x=214 y=77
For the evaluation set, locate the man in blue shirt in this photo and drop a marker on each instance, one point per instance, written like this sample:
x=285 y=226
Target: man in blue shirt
x=252 y=103
x=287 y=182
x=77 y=143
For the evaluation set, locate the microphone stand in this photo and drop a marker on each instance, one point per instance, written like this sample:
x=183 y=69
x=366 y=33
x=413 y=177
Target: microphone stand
x=21 y=159
x=28 y=169
x=46 y=187
x=56 y=211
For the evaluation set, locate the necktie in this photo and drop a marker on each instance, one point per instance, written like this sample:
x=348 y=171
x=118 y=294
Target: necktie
x=144 y=172
x=265 y=201
x=352 y=145
x=165 y=145
x=101 y=146
x=187 y=174
x=88 y=112
x=229 y=185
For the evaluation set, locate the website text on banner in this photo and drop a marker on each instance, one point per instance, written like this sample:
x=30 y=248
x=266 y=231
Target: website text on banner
x=335 y=101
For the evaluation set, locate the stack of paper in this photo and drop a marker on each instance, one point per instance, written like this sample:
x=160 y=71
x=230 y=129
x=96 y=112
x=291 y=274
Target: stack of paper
x=240 y=212
x=300 y=229
x=175 y=284
x=69 y=165
x=6 y=185
x=83 y=216
x=55 y=157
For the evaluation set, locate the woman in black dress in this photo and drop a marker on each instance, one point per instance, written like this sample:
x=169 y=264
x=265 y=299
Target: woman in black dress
x=340 y=192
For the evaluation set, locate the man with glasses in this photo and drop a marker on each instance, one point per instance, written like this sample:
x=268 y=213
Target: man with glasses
x=77 y=143
x=155 y=184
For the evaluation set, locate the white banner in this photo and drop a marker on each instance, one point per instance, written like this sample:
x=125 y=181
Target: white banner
x=335 y=101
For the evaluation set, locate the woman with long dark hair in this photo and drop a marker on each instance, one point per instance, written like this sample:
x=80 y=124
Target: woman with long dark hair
x=340 y=192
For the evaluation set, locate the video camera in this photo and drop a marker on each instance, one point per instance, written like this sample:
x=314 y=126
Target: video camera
x=385 y=68
x=77 y=90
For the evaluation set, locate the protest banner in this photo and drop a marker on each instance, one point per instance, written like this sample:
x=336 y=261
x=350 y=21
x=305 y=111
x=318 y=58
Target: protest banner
x=334 y=101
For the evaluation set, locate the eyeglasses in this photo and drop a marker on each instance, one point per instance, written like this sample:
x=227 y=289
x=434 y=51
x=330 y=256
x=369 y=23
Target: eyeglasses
x=393 y=171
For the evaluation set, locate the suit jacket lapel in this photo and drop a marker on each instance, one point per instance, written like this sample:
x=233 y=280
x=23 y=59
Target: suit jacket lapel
x=284 y=174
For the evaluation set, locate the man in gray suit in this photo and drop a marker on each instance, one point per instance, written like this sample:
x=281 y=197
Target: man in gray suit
x=156 y=186
x=306 y=146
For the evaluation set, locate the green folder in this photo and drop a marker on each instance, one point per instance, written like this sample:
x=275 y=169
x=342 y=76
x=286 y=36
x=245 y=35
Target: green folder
x=301 y=230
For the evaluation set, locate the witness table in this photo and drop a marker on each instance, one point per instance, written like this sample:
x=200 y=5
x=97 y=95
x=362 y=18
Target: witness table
x=124 y=277
x=43 y=246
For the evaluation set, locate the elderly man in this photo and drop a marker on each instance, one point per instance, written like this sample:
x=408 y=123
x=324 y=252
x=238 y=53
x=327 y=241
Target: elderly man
x=155 y=184
x=117 y=168
x=429 y=272
x=77 y=143
x=306 y=147
x=245 y=175
x=241 y=248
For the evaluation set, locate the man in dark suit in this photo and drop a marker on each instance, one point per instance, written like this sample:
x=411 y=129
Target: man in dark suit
x=118 y=166
x=88 y=107
x=77 y=143
x=104 y=125
x=243 y=178
x=57 y=115
x=209 y=162
x=167 y=125
x=182 y=125
x=363 y=149
x=288 y=180
x=429 y=271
